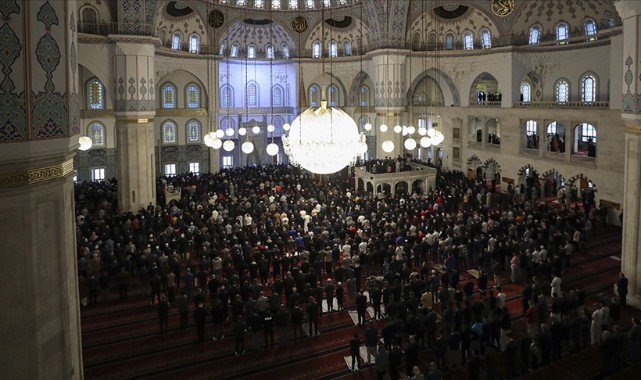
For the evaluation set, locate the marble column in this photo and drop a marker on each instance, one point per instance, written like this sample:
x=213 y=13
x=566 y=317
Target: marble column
x=390 y=96
x=135 y=108
x=40 y=318
x=630 y=12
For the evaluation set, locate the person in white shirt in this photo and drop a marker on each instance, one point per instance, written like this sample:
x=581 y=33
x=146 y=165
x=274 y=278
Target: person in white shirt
x=500 y=298
x=555 y=286
x=595 y=327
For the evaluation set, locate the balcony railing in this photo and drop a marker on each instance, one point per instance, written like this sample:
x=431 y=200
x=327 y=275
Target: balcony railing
x=554 y=104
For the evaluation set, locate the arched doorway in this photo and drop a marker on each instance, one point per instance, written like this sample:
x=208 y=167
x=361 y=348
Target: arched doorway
x=553 y=185
x=474 y=167
x=529 y=187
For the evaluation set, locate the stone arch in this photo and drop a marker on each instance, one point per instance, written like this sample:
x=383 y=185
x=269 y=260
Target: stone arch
x=484 y=82
x=446 y=84
x=552 y=181
x=362 y=78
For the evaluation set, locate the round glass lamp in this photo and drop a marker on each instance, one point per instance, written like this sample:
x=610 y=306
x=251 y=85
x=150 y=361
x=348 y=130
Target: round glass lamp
x=286 y=127
x=383 y=128
x=410 y=144
x=387 y=146
x=85 y=143
x=242 y=131
x=256 y=129
x=247 y=147
x=229 y=145
x=272 y=149
x=322 y=140
x=220 y=133
x=217 y=143
x=426 y=142
x=271 y=128
x=368 y=127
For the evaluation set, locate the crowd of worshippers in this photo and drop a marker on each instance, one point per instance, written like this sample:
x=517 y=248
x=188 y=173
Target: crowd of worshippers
x=387 y=165
x=265 y=247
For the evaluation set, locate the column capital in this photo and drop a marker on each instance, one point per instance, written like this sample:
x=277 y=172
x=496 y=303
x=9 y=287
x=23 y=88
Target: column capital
x=628 y=8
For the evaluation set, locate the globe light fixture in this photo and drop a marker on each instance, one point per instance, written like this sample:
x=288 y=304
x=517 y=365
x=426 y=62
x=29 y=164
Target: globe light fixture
x=387 y=146
x=209 y=139
x=422 y=131
x=383 y=128
x=272 y=149
x=247 y=147
x=229 y=145
x=323 y=140
x=217 y=143
x=426 y=142
x=242 y=131
x=410 y=144
x=286 y=127
x=411 y=130
x=85 y=143
x=271 y=128
x=368 y=127
x=229 y=131
x=431 y=132
x=220 y=133
x=256 y=129
x=398 y=129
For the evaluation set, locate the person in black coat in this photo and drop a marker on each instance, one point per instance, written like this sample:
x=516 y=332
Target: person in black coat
x=361 y=307
x=268 y=329
x=312 y=315
x=354 y=350
x=200 y=316
x=239 y=335
x=297 y=321
x=163 y=314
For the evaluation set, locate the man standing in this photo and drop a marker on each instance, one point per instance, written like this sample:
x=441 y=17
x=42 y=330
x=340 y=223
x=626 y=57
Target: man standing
x=354 y=350
x=163 y=314
x=371 y=342
x=329 y=294
x=297 y=321
x=361 y=307
x=622 y=289
x=268 y=329
x=183 y=309
x=312 y=315
x=635 y=340
x=200 y=316
x=171 y=286
x=282 y=322
x=239 y=335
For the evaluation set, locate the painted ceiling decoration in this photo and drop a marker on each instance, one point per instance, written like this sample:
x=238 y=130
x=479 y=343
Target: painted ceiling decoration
x=344 y=23
x=255 y=21
x=450 y=11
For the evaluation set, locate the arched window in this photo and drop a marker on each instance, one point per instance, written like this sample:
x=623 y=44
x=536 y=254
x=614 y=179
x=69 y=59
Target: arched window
x=269 y=52
x=226 y=123
x=552 y=128
x=278 y=122
x=241 y=3
x=177 y=41
x=590 y=29
x=332 y=96
x=448 y=43
x=221 y=50
x=193 y=95
x=193 y=131
x=316 y=49
x=327 y=3
x=277 y=96
x=364 y=96
x=347 y=48
x=259 y=4
x=309 y=4
x=531 y=127
x=95 y=95
x=251 y=95
x=168 y=96
x=97 y=134
x=251 y=51
x=612 y=22
x=314 y=96
x=526 y=90
x=194 y=43
x=89 y=20
x=588 y=132
x=226 y=96
x=562 y=33
x=285 y=50
x=333 y=49
x=431 y=41
x=486 y=39
x=234 y=50
x=275 y=4
x=562 y=91
x=416 y=41
x=535 y=35
x=169 y=132
x=293 y=4
x=588 y=88
x=468 y=40
x=364 y=119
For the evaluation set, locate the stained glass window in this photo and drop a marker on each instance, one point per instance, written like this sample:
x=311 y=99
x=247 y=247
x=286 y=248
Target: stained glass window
x=259 y=3
x=285 y=51
x=332 y=96
x=277 y=96
x=252 y=95
x=449 y=41
x=314 y=96
x=95 y=94
x=293 y=4
x=588 y=85
x=176 y=41
x=316 y=49
x=486 y=39
x=251 y=51
x=97 y=134
x=468 y=41
x=275 y=4
x=562 y=33
x=590 y=27
x=193 y=96
x=234 y=50
x=364 y=96
x=562 y=91
x=226 y=96
x=193 y=131
x=333 y=49
x=169 y=132
x=168 y=96
x=347 y=48
x=278 y=126
x=269 y=52
x=194 y=43
x=525 y=92
x=310 y=4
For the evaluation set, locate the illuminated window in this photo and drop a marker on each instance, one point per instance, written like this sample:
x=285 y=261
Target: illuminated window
x=275 y=4
x=314 y=96
x=486 y=39
x=177 y=41
x=293 y=4
x=168 y=96
x=269 y=52
x=221 y=51
x=552 y=129
x=588 y=132
x=588 y=89
x=194 y=43
x=468 y=40
x=170 y=170
x=562 y=91
x=97 y=174
x=193 y=96
x=285 y=50
x=251 y=51
x=278 y=126
x=310 y=4
x=277 y=96
x=347 y=48
x=362 y=121
x=531 y=127
x=332 y=95
x=169 y=132
x=316 y=49
x=194 y=167
x=327 y=3
x=535 y=35
x=97 y=134
x=95 y=92
x=449 y=41
x=364 y=96
x=193 y=131
x=241 y=3
x=333 y=49
x=252 y=95
x=228 y=162
x=234 y=50
x=562 y=33
x=525 y=92
x=259 y=4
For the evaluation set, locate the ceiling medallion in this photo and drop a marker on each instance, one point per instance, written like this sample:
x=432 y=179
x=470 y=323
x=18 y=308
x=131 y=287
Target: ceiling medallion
x=299 y=24
x=216 y=18
x=502 y=8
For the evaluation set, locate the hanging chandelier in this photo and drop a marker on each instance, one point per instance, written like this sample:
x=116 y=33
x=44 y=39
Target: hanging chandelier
x=323 y=140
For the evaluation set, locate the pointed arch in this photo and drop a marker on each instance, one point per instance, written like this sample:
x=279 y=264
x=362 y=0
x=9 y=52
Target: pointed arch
x=252 y=94
x=192 y=95
x=95 y=94
x=446 y=84
x=192 y=131
x=485 y=83
x=96 y=131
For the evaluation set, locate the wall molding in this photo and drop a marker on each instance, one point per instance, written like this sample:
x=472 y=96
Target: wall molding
x=36 y=175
